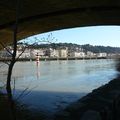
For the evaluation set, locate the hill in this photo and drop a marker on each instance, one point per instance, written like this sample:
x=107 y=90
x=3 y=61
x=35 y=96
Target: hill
x=85 y=48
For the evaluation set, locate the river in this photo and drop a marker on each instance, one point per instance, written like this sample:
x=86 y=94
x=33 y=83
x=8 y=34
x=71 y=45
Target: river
x=50 y=86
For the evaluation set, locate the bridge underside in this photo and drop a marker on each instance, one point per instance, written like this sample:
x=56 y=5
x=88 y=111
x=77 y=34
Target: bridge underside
x=39 y=16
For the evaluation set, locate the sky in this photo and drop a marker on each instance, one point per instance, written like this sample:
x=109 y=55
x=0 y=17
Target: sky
x=95 y=35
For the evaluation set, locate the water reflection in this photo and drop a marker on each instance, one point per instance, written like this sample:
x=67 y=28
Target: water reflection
x=62 y=75
x=38 y=70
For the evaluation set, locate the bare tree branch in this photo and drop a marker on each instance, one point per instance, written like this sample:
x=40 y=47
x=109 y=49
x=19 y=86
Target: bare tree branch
x=23 y=94
x=7 y=63
x=20 y=54
x=50 y=39
x=6 y=48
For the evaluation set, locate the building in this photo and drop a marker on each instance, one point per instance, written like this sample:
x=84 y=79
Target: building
x=63 y=53
x=77 y=54
x=54 y=53
x=25 y=54
x=89 y=54
x=34 y=52
x=82 y=54
x=101 y=54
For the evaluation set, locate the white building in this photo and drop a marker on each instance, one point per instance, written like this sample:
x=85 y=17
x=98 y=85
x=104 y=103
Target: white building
x=77 y=54
x=82 y=54
x=101 y=54
x=90 y=54
x=54 y=53
x=34 y=52
x=74 y=54
x=63 y=53
x=25 y=54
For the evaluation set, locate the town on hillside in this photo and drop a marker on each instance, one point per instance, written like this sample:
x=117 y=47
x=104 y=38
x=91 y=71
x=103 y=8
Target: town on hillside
x=61 y=50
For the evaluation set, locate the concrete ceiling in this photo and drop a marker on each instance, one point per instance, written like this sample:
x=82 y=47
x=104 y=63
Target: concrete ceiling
x=39 y=16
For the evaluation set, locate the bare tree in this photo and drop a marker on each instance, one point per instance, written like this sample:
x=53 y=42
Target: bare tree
x=49 y=39
x=14 y=59
x=12 y=52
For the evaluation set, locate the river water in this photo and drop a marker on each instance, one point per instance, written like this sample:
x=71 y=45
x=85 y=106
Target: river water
x=52 y=85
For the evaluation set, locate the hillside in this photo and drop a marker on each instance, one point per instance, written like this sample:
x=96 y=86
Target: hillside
x=71 y=46
x=97 y=49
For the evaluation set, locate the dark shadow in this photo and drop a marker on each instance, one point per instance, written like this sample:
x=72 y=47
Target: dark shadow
x=46 y=102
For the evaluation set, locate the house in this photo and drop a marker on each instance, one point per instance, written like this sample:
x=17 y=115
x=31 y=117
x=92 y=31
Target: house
x=63 y=52
x=89 y=54
x=54 y=53
x=101 y=54
x=25 y=54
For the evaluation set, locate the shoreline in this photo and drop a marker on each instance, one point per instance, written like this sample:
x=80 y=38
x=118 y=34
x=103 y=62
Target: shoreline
x=53 y=59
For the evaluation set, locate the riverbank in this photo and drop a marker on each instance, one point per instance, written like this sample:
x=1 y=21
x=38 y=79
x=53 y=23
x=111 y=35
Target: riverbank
x=52 y=59
x=103 y=102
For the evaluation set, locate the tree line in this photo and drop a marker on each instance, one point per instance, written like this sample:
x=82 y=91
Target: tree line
x=86 y=47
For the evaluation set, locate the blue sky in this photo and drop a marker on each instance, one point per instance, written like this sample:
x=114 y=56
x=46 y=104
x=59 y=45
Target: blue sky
x=96 y=35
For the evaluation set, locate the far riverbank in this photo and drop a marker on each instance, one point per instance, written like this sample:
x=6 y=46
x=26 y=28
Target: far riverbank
x=52 y=59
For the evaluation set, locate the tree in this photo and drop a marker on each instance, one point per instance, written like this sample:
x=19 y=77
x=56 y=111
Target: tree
x=13 y=60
